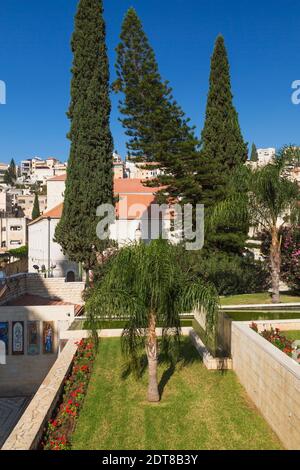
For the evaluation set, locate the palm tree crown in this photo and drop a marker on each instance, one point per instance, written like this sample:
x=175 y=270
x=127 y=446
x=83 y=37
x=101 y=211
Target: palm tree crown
x=146 y=285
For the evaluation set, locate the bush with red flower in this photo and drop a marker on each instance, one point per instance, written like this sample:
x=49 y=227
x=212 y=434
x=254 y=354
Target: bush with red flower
x=58 y=431
x=275 y=337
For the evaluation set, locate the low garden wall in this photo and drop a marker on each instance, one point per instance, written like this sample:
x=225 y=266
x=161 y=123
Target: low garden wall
x=29 y=430
x=270 y=377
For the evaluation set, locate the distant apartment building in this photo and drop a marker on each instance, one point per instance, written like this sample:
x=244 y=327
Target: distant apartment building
x=142 y=170
x=3 y=168
x=265 y=156
x=37 y=170
x=13 y=232
x=26 y=203
x=118 y=166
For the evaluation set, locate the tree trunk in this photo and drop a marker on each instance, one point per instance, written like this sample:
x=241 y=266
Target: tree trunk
x=275 y=256
x=152 y=355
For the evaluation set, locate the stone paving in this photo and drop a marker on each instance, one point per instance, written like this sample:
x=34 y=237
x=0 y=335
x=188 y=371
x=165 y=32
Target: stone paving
x=11 y=410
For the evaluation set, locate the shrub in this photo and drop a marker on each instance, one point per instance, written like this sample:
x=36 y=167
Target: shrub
x=59 y=429
x=21 y=252
x=231 y=274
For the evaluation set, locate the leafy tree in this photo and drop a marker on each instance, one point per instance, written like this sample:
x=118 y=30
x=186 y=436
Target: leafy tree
x=222 y=149
x=90 y=175
x=156 y=126
x=254 y=154
x=146 y=285
x=266 y=199
x=36 y=208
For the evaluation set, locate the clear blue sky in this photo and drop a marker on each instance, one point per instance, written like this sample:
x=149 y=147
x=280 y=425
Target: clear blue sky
x=262 y=38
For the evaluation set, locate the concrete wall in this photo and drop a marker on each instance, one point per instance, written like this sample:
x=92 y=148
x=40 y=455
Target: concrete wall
x=55 y=193
x=271 y=379
x=23 y=374
x=34 y=284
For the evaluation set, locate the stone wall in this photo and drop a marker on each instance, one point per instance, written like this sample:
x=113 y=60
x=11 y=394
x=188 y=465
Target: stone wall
x=29 y=430
x=270 y=377
x=34 y=284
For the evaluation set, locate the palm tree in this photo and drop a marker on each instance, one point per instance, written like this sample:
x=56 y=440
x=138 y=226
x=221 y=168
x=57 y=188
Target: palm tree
x=146 y=285
x=267 y=199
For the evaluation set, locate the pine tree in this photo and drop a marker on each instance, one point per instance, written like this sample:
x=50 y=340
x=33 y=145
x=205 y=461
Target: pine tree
x=156 y=126
x=222 y=147
x=90 y=174
x=254 y=154
x=36 y=208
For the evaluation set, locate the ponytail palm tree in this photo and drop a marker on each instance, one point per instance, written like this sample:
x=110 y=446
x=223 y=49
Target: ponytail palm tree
x=265 y=198
x=146 y=285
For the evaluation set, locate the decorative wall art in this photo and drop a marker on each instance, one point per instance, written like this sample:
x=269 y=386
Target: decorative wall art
x=48 y=337
x=4 y=334
x=18 y=338
x=33 y=337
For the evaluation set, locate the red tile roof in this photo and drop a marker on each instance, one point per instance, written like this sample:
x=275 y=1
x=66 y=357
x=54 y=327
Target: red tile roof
x=58 y=178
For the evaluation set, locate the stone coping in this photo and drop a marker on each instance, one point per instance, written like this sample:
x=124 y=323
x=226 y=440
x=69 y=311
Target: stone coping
x=268 y=347
x=260 y=306
x=28 y=432
x=210 y=362
x=112 y=333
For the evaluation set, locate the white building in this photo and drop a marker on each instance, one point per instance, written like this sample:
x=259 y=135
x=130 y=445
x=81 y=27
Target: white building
x=55 y=191
x=265 y=156
x=134 y=220
x=141 y=170
x=13 y=232
x=44 y=252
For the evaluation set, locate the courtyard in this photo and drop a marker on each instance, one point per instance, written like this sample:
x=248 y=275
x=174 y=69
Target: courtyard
x=200 y=409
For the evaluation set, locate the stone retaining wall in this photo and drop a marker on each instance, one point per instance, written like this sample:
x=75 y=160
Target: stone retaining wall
x=34 y=284
x=270 y=377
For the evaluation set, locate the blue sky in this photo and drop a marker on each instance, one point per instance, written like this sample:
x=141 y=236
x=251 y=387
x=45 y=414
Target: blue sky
x=262 y=39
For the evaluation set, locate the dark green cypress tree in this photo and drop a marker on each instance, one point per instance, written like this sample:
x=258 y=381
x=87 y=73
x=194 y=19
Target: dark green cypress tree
x=156 y=126
x=222 y=148
x=254 y=154
x=10 y=175
x=36 y=208
x=90 y=167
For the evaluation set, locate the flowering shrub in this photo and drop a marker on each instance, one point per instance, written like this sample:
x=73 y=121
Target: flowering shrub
x=290 y=255
x=59 y=429
x=277 y=339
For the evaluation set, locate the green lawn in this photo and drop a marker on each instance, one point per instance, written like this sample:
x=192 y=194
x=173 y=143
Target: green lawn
x=199 y=409
x=261 y=298
x=292 y=335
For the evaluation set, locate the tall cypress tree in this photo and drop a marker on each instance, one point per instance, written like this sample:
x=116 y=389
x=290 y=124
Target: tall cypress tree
x=254 y=154
x=90 y=174
x=222 y=147
x=36 y=208
x=156 y=126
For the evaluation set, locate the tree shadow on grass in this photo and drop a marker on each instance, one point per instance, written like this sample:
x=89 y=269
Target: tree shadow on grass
x=187 y=355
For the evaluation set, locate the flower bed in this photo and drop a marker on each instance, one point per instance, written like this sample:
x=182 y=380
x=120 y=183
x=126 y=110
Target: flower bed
x=281 y=342
x=60 y=428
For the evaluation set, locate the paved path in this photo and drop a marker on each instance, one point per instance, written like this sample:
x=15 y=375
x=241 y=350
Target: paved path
x=11 y=410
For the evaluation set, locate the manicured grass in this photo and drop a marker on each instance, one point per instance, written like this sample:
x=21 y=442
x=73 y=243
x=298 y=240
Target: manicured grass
x=199 y=409
x=260 y=298
x=292 y=335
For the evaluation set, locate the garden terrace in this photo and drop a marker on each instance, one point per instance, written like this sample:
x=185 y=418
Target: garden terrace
x=199 y=409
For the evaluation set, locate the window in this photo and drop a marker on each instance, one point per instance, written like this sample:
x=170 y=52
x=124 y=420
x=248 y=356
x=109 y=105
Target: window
x=3 y=229
x=16 y=228
x=15 y=242
x=3 y=244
